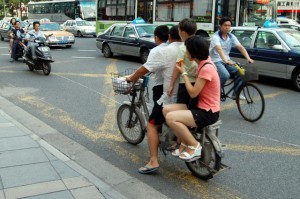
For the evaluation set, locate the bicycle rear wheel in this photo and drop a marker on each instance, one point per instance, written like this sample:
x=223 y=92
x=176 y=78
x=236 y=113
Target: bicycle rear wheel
x=132 y=130
x=253 y=106
x=209 y=163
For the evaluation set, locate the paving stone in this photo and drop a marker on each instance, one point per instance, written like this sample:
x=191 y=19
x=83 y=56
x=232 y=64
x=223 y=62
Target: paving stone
x=10 y=131
x=49 y=155
x=76 y=182
x=56 y=195
x=87 y=193
x=15 y=143
x=1 y=194
x=21 y=157
x=64 y=170
x=35 y=189
x=28 y=174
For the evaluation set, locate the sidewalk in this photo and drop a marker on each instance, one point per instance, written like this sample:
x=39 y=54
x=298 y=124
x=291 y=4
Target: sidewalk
x=31 y=168
x=37 y=161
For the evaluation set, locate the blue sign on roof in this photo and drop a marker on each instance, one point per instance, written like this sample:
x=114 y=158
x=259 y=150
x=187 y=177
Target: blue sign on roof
x=138 y=20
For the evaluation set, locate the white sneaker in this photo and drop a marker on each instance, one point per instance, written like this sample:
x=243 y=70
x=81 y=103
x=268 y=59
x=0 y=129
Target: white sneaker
x=242 y=97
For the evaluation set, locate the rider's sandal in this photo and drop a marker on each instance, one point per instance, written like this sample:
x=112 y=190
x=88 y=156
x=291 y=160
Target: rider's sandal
x=176 y=152
x=191 y=157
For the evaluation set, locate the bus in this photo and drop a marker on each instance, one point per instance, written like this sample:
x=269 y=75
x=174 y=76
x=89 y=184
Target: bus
x=62 y=10
x=206 y=13
x=156 y=12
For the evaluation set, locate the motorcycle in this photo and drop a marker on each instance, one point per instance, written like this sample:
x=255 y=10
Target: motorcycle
x=20 y=47
x=43 y=56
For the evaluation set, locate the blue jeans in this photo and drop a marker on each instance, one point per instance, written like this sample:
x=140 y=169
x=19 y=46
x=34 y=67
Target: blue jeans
x=224 y=71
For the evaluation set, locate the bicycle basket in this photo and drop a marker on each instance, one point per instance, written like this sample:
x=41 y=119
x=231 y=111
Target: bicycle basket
x=121 y=86
x=251 y=73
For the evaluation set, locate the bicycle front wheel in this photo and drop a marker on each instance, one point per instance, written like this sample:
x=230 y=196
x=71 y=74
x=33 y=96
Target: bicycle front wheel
x=132 y=130
x=250 y=102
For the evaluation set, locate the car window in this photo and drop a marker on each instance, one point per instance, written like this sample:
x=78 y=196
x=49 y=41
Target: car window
x=266 y=40
x=117 y=31
x=244 y=36
x=290 y=37
x=129 y=31
x=50 y=27
x=68 y=23
x=83 y=23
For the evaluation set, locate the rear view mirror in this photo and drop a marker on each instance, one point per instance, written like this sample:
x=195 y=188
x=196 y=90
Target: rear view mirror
x=132 y=36
x=278 y=47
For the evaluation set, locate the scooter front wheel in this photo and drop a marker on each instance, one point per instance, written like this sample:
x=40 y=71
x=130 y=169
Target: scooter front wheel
x=208 y=164
x=30 y=67
x=46 y=68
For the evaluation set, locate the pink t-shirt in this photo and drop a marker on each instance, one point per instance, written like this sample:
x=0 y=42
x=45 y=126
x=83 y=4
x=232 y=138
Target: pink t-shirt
x=209 y=97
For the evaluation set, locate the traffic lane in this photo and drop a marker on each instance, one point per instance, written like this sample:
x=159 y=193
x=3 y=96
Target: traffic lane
x=114 y=148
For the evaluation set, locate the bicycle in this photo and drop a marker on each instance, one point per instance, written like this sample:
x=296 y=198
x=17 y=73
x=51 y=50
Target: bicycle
x=252 y=107
x=132 y=117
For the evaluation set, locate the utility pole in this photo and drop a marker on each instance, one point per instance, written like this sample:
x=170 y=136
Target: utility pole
x=4 y=8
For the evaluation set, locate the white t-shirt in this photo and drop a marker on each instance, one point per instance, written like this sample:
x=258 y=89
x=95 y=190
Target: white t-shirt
x=36 y=35
x=161 y=62
x=226 y=45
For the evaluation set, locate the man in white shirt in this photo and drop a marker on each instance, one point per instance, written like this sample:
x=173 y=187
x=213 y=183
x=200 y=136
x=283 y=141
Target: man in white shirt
x=36 y=33
x=161 y=61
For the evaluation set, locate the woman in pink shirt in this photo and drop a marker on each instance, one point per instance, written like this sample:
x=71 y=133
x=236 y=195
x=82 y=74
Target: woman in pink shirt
x=207 y=87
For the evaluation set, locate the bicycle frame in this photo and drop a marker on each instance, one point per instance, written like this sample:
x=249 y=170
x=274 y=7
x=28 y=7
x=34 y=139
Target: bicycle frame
x=139 y=105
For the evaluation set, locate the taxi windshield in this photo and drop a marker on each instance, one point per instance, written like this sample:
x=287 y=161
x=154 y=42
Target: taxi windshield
x=146 y=31
x=291 y=38
x=50 y=27
x=83 y=23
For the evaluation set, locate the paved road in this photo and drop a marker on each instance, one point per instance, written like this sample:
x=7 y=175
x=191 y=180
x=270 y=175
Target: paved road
x=77 y=100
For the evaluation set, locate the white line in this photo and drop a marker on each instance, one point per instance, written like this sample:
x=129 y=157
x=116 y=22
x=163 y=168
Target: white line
x=4 y=47
x=88 y=50
x=84 y=57
x=4 y=54
x=88 y=88
x=265 y=138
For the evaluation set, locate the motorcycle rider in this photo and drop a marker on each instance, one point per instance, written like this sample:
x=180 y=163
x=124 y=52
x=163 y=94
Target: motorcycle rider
x=10 y=28
x=36 y=33
x=16 y=34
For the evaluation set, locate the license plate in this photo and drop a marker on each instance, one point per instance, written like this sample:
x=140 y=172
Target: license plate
x=63 y=42
x=44 y=49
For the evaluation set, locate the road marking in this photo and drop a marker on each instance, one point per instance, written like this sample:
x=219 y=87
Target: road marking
x=87 y=50
x=109 y=116
x=83 y=75
x=231 y=105
x=83 y=57
x=4 y=54
x=264 y=149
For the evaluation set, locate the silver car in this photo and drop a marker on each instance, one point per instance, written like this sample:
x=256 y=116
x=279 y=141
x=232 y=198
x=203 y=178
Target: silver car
x=79 y=27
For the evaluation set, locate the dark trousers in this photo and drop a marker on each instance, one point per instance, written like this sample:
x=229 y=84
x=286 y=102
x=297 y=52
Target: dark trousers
x=14 y=49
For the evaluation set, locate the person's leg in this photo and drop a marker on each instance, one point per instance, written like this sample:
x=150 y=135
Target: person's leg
x=33 y=53
x=179 y=121
x=173 y=107
x=223 y=73
x=237 y=79
x=153 y=142
x=13 y=52
x=11 y=41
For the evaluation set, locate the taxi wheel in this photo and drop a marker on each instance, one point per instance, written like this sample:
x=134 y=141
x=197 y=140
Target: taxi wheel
x=144 y=55
x=106 y=51
x=79 y=34
x=296 y=80
x=1 y=37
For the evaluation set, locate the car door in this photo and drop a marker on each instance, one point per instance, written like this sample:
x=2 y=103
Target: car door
x=67 y=26
x=130 y=45
x=269 y=59
x=115 y=38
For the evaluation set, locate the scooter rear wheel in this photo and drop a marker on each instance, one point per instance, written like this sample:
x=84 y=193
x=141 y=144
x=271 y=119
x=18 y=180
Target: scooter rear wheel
x=46 y=68
x=208 y=164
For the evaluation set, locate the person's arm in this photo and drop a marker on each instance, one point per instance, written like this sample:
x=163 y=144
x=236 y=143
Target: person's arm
x=222 y=55
x=141 y=71
x=244 y=53
x=192 y=90
x=175 y=75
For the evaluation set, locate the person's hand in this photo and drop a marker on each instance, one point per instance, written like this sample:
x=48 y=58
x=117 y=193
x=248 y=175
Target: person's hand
x=128 y=79
x=179 y=66
x=170 y=91
x=250 y=61
x=230 y=63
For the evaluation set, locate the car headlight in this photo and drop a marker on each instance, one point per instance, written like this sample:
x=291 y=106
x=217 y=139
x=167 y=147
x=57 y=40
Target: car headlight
x=71 y=37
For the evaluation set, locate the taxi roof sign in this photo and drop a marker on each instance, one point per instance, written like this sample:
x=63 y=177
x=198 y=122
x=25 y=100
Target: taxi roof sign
x=44 y=20
x=139 y=20
x=271 y=23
